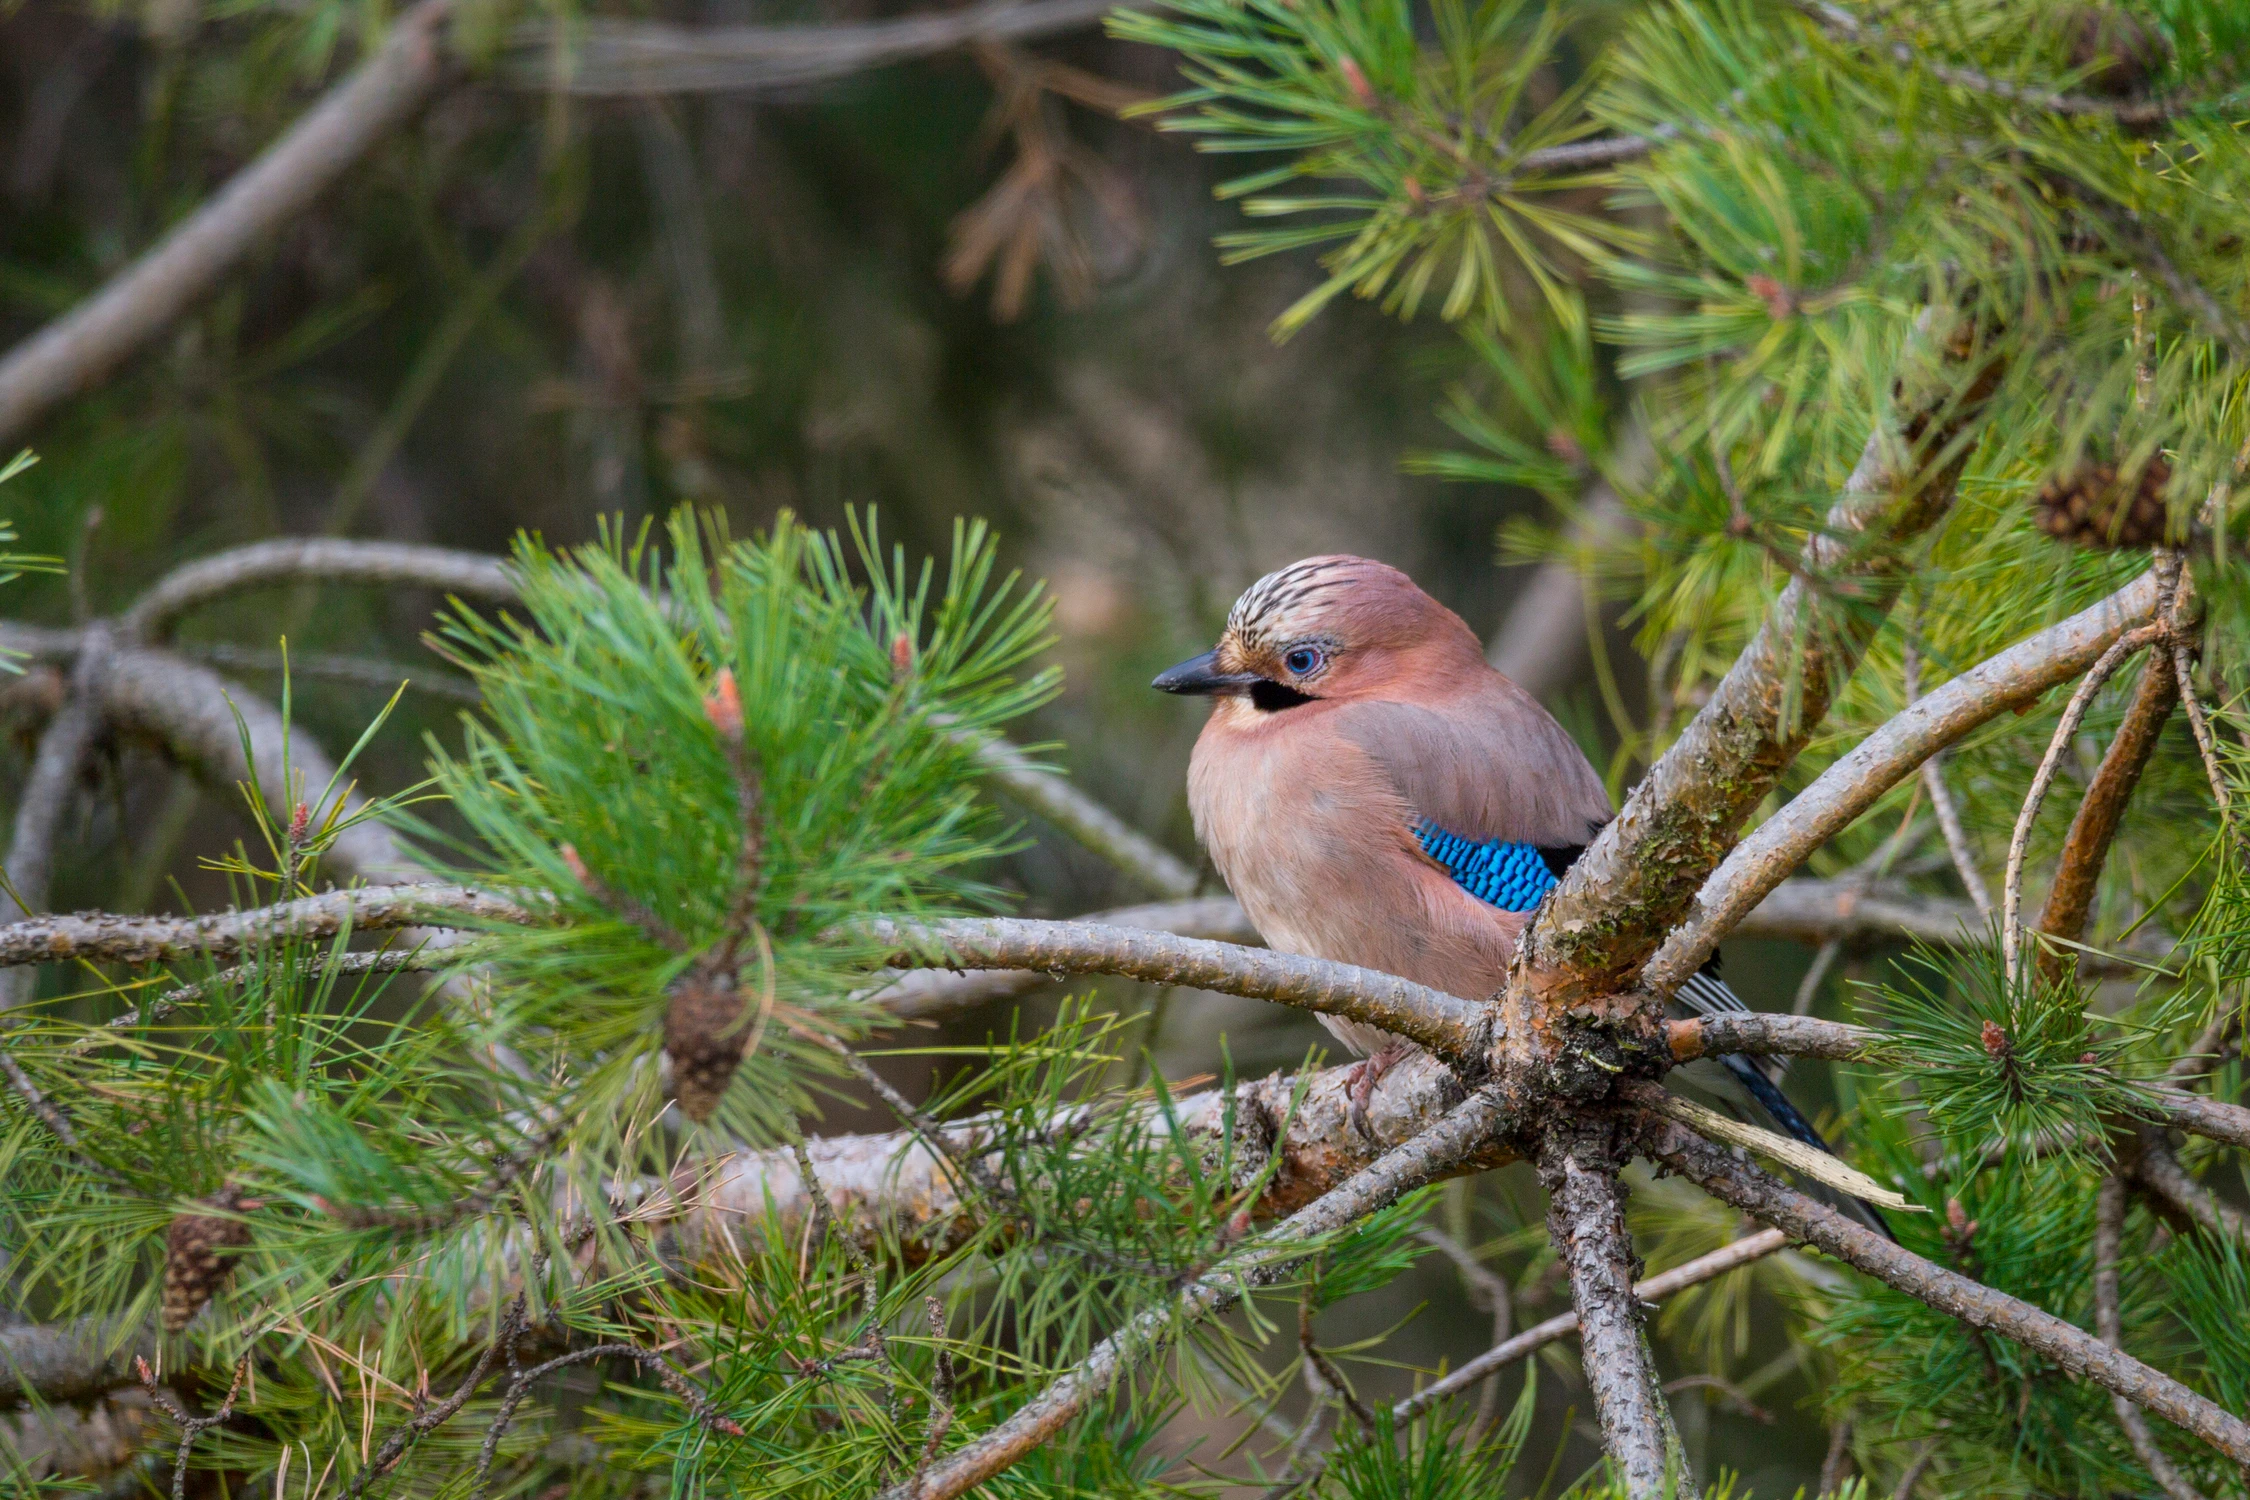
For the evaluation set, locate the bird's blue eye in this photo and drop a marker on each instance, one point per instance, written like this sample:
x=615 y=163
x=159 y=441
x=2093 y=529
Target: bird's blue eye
x=1302 y=660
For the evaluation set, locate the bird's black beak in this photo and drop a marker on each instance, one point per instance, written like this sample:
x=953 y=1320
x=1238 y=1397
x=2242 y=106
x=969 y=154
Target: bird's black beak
x=1201 y=674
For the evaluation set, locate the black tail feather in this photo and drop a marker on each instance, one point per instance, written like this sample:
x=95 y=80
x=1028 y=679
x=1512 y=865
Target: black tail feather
x=1775 y=1103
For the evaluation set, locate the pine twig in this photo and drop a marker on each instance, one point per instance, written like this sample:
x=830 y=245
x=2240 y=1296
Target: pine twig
x=1848 y=27
x=1447 y=1024
x=2066 y=728
x=941 y=1396
x=872 y=1344
x=377 y=961
x=2109 y=1223
x=191 y=1427
x=191 y=586
x=2158 y=1173
x=1915 y=1470
x=106 y=938
x=63 y=747
x=2093 y=828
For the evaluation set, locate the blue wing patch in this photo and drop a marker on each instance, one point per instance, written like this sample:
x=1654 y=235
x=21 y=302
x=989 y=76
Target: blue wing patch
x=1512 y=877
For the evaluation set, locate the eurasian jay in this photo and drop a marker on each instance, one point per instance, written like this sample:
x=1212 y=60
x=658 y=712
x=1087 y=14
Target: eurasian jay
x=1374 y=793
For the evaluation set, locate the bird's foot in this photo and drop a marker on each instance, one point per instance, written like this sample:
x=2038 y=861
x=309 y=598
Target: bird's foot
x=1365 y=1076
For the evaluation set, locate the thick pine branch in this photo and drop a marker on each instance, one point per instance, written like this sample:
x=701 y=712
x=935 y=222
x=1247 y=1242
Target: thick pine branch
x=1642 y=874
x=1578 y=1163
x=1447 y=1024
x=1763 y=1197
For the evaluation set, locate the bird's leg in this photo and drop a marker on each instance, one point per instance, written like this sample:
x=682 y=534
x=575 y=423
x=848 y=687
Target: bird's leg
x=1365 y=1076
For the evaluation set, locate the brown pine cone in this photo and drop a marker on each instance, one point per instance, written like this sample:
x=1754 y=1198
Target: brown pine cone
x=2094 y=506
x=705 y=1034
x=197 y=1256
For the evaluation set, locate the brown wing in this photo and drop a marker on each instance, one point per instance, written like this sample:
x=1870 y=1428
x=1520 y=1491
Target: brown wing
x=1488 y=763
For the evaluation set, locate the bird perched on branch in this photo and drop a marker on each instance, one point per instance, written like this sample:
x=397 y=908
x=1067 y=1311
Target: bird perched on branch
x=1374 y=793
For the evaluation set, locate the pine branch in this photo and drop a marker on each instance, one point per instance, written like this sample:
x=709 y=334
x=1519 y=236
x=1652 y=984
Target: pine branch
x=895 y=1186
x=2109 y=1223
x=1578 y=1165
x=2126 y=112
x=79 y=349
x=63 y=747
x=1760 y=1033
x=1643 y=873
x=1742 y=1252
x=2157 y=1172
x=191 y=1427
x=1837 y=797
x=1755 y=1192
x=103 y=938
x=2093 y=828
x=1447 y=1024
x=328 y=666
x=607 y=57
x=1468 y=1129
x=304 y=559
x=2066 y=728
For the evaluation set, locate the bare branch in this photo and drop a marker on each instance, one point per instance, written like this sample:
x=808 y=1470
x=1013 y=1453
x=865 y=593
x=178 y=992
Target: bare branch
x=1837 y=797
x=2070 y=895
x=895 y=1185
x=99 y=937
x=1465 y=1131
x=359 y=671
x=2109 y=1222
x=328 y=559
x=1641 y=875
x=1447 y=1024
x=605 y=57
x=2155 y=1169
x=1654 y=1289
x=63 y=747
x=1763 y=1033
x=2066 y=728
x=70 y=1361
x=933 y=994
x=1760 y=1195
x=78 y=349
x=1586 y=1221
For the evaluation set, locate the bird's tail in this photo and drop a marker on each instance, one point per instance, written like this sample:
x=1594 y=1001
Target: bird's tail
x=1704 y=993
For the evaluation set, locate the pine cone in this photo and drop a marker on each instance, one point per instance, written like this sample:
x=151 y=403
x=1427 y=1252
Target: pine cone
x=705 y=1035
x=196 y=1258
x=2094 y=506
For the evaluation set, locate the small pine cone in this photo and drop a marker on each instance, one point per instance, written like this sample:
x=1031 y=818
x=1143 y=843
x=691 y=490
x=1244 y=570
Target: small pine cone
x=197 y=1258
x=2093 y=506
x=705 y=1034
